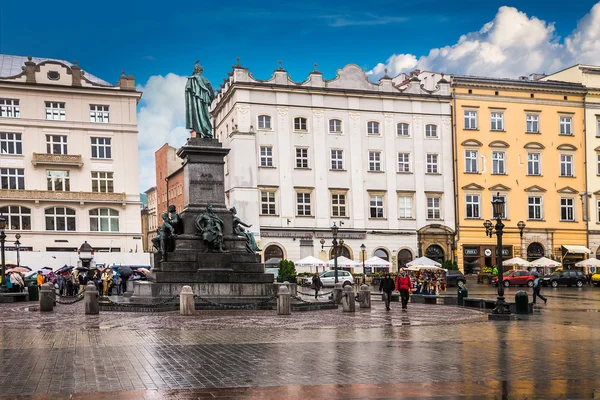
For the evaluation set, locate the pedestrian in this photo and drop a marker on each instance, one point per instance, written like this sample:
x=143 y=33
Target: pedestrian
x=118 y=282
x=387 y=286
x=106 y=281
x=70 y=287
x=537 y=287
x=316 y=284
x=9 y=281
x=17 y=282
x=403 y=285
x=40 y=279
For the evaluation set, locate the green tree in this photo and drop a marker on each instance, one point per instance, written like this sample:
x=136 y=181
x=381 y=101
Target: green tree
x=287 y=271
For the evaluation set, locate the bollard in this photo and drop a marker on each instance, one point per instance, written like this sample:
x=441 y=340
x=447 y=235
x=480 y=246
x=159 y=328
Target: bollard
x=91 y=299
x=337 y=293
x=284 y=305
x=365 y=297
x=348 y=300
x=46 y=297
x=186 y=301
x=522 y=302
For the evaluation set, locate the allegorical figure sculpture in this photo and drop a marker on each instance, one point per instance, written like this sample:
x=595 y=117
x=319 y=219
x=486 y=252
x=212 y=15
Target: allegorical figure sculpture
x=238 y=229
x=165 y=238
x=198 y=97
x=175 y=220
x=210 y=227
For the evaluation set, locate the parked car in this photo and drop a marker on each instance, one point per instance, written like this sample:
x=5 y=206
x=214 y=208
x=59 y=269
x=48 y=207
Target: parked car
x=567 y=277
x=344 y=277
x=517 y=278
x=453 y=277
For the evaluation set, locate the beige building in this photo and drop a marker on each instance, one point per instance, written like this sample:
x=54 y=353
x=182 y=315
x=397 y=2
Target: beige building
x=68 y=157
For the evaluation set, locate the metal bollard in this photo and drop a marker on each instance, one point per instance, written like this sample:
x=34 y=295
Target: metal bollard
x=365 y=297
x=337 y=293
x=91 y=299
x=186 y=301
x=284 y=305
x=46 y=297
x=348 y=300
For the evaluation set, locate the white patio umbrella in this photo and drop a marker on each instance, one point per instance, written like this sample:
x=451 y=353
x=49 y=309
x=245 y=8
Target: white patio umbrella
x=423 y=262
x=424 y=268
x=376 y=262
x=545 y=263
x=517 y=261
x=590 y=262
x=342 y=262
x=307 y=263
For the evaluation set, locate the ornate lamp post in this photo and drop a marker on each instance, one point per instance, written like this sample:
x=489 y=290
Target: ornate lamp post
x=86 y=254
x=18 y=246
x=334 y=232
x=498 y=206
x=2 y=255
x=363 y=248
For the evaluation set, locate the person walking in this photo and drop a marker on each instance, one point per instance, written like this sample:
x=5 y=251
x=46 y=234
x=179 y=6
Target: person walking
x=403 y=285
x=387 y=286
x=40 y=279
x=316 y=284
x=537 y=287
x=106 y=280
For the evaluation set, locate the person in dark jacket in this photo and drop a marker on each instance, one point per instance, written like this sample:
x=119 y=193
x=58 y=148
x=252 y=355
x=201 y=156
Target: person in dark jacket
x=316 y=284
x=387 y=286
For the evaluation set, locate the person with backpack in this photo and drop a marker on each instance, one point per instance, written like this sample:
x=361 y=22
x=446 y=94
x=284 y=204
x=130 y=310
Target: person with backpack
x=537 y=287
x=387 y=286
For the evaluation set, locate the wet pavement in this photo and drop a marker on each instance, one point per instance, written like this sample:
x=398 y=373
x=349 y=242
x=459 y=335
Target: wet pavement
x=429 y=351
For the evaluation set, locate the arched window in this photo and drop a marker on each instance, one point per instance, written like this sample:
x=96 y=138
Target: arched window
x=535 y=251
x=60 y=219
x=373 y=128
x=17 y=217
x=402 y=129
x=264 y=122
x=404 y=257
x=300 y=124
x=431 y=131
x=383 y=254
x=273 y=253
x=435 y=252
x=104 y=220
x=335 y=126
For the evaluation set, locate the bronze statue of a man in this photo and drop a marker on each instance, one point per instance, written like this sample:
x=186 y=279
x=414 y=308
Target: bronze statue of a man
x=199 y=95
x=210 y=227
x=238 y=229
x=175 y=220
x=165 y=239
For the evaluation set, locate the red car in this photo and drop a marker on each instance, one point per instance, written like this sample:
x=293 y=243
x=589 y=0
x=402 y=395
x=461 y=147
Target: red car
x=516 y=278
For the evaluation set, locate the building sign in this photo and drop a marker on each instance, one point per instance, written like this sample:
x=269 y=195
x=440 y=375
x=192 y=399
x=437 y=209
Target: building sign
x=286 y=234
x=487 y=252
x=506 y=251
x=328 y=235
x=471 y=251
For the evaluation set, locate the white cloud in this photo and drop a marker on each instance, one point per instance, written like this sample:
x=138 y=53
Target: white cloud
x=161 y=119
x=512 y=44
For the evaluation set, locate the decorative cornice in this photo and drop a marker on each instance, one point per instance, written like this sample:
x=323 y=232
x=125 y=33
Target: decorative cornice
x=57 y=159
x=566 y=147
x=534 y=145
x=567 y=190
x=471 y=142
x=472 y=186
x=499 y=188
x=535 y=189
x=499 y=144
x=62 y=196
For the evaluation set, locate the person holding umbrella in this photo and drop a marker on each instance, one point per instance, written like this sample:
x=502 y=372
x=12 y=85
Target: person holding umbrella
x=125 y=273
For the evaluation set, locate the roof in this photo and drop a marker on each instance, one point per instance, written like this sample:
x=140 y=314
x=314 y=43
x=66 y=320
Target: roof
x=12 y=65
x=518 y=82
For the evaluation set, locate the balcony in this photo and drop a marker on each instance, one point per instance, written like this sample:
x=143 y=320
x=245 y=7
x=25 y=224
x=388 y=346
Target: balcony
x=43 y=195
x=57 y=159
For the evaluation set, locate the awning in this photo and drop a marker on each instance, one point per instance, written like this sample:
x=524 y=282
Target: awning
x=575 y=249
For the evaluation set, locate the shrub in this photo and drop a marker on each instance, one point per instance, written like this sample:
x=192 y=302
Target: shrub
x=287 y=271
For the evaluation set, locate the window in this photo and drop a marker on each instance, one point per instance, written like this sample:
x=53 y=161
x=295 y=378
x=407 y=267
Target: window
x=335 y=126
x=373 y=128
x=598 y=210
x=498 y=165
x=101 y=147
x=566 y=165
x=98 y=114
x=403 y=162
x=102 y=182
x=402 y=129
x=10 y=143
x=376 y=206
x=432 y=163
x=505 y=213
x=405 y=207
x=9 y=108
x=104 y=220
x=17 y=217
x=598 y=164
x=266 y=156
x=534 y=205
x=338 y=205
x=56 y=144
x=55 y=111
x=267 y=203
x=301 y=158
x=566 y=125
x=532 y=123
x=430 y=131
x=264 y=122
x=567 y=209
x=471 y=162
x=300 y=124
x=337 y=161
x=58 y=180
x=472 y=202
x=433 y=208
x=60 y=219
x=470 y=119
x=534 y=164
x=598 y=127
x=12 y=178
x=374 y=161
x=497 y=120
x=303 y=204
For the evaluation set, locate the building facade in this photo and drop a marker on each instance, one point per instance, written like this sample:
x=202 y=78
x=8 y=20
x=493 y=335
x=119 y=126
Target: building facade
x=371 y=158
x=522 y=140
x=169 y=181
x=149 y=219
x=68 y=162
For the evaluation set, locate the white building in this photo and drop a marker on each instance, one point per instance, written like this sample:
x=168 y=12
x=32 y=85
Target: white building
x=68 y=162
x=372 y=158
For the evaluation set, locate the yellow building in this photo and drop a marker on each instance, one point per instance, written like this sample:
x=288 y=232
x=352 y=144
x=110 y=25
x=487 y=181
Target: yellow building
x=522 y=140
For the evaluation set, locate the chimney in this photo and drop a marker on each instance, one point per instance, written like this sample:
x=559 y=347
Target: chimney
x=29 y=69
x=126 y=82
x=76 y=73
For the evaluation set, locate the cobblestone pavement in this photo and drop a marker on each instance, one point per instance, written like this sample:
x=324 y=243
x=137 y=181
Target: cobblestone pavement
x=427 y=351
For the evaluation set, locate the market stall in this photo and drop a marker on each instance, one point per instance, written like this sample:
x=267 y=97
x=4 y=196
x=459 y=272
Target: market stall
x=428 y=276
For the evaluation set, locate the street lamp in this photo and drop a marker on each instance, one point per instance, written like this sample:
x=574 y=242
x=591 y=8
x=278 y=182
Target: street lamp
x=334 y=232
x=363 y=248
x=86 y=254
x=521 y=226
x=2 y=258
x=18 y=246
x=498 y=207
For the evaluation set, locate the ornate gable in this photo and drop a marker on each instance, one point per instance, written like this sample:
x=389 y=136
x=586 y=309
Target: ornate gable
x=535 y=189
x=568 y=190
x=499 y=188
x=534 y=145
x=471 y=142
x=499 y=143
x=472 y=186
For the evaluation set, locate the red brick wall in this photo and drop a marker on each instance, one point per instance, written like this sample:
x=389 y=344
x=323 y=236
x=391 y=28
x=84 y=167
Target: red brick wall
x=174 y=184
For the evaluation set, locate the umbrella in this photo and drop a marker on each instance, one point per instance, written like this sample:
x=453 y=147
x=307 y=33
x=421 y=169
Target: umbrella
x=590 y=262
x=424 y=268
x=83 y=269
x=124 y=270
x=341 y=262
x=144 y=270
x=45 y=271
x=377 y=262
x=19 y=269
x=517 y=261
x=273 y=261
x=545 y=262
x=309 y=261
x=48 y=268
x=423 y=262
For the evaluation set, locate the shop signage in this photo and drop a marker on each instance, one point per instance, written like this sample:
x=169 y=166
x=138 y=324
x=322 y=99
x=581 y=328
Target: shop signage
x=472 y=251
x=328 y=235
x=487 y=252
x=286 y=234
x=505 y=251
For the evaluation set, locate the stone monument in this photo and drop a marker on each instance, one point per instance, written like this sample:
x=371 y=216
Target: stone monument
x=209 y=251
